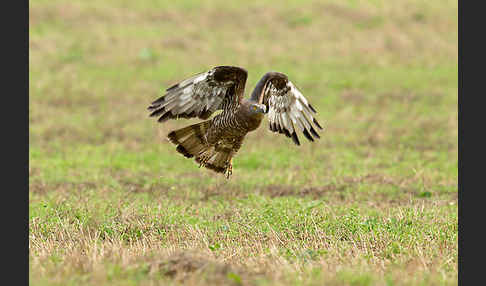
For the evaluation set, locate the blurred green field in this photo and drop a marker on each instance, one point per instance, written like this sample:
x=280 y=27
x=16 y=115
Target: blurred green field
x=373 y=202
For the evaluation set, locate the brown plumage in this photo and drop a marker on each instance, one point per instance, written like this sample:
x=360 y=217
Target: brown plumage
x=214 y=142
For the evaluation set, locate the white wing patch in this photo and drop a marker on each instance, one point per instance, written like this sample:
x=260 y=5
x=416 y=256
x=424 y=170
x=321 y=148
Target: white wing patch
x=290 y=111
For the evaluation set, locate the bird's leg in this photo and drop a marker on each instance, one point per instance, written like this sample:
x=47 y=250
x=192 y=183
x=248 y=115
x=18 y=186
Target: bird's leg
x=229 y=169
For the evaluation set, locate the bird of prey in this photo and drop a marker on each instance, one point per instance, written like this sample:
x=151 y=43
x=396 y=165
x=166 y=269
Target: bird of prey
x=214 y=142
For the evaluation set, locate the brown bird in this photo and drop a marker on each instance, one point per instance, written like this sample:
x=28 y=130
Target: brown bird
x=214 y=142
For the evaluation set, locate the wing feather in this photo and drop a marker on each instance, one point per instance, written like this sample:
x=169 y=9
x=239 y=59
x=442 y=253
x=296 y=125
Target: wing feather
x=201 y=95
x=288 y=109
x=287 y=124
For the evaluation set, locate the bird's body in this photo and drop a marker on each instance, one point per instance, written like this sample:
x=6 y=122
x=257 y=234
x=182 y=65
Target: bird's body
x=214 y=142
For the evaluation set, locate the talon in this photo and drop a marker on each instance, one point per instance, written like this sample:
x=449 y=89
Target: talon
x=229 y=170
x=228 y=174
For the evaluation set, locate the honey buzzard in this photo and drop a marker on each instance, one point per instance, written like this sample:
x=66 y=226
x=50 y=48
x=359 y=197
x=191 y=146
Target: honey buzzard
x=214 y=142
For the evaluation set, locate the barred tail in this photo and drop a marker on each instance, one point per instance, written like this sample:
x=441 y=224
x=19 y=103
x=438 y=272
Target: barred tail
x=190 y=142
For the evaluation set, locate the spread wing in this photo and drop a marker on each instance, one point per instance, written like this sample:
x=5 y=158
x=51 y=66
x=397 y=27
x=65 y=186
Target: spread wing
x=202 y=94
x=288 y=109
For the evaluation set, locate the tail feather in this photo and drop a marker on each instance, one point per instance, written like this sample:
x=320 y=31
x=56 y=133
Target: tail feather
x=178 y=136
x=191 y=143
x=219 y=161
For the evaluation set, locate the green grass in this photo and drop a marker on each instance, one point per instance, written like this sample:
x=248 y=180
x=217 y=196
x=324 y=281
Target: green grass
x=373 y=202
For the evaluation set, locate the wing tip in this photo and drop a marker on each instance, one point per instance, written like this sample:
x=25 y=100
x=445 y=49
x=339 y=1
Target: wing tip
x=166 y=116
x=157 y=112
x=295 y=139
x=157 y=102
x=314 y=133
x=312 y=108
x=307 y=135
x=317 y=124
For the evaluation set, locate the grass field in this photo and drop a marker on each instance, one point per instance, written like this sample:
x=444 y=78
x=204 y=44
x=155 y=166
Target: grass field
x=373 y=202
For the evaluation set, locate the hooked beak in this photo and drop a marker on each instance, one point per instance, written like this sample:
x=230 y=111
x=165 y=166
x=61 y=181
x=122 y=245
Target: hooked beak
x=263 y=109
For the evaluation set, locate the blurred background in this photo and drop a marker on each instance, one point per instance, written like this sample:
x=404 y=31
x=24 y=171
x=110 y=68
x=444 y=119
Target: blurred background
x=381 y=74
